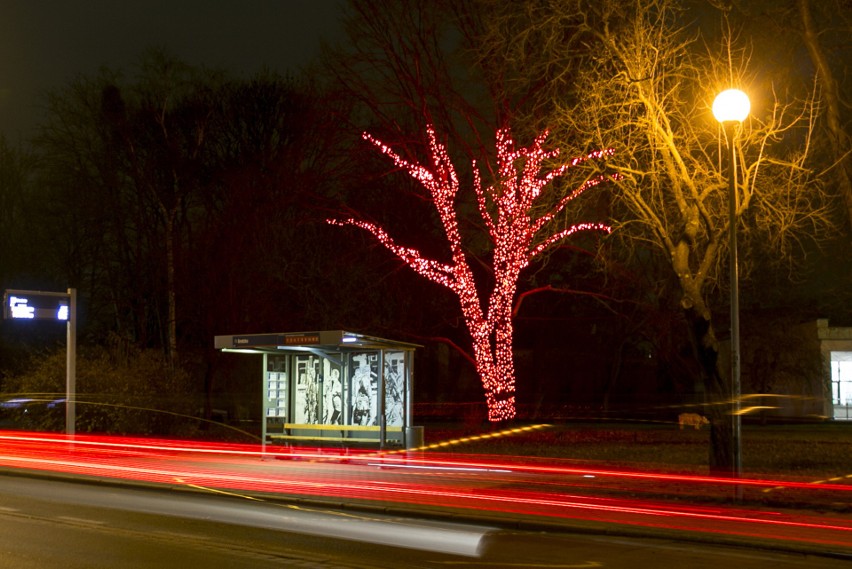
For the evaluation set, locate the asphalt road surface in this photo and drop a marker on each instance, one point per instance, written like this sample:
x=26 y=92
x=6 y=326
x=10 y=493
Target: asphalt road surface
x=49 y=523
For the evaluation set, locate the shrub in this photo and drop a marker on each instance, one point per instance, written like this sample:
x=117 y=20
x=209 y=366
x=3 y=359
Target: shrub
x=120 y=389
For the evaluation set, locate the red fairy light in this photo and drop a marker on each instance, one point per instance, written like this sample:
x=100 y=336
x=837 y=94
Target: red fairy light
x=505 y=208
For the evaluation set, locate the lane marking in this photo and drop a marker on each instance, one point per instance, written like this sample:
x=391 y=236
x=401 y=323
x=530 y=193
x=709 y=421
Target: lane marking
x=586 y=565
x=445 y=468
x=86 y=521
x=827 y=480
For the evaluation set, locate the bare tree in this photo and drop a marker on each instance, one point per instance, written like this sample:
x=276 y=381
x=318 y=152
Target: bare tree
x=405 y=64
x=16 y=172
x=127 y=155
x=161 y=137
x=631 y=75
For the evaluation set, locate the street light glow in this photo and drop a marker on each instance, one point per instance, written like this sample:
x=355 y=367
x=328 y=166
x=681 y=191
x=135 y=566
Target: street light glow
x=731 y=105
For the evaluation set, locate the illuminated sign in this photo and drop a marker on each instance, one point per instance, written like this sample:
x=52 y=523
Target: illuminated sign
x=269 y=340
x=301 y=340
x=32 y=305
x=255 y=340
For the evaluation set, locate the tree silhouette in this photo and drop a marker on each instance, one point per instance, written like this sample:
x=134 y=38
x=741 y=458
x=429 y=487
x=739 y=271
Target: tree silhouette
x=517 y=233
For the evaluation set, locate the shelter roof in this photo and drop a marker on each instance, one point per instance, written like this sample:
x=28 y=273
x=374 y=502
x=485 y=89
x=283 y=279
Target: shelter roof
x=326 y=341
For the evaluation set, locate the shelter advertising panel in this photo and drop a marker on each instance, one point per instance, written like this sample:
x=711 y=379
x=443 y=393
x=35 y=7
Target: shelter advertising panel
x=363 y=381
x=307 y=401
x=394 y=388
x=320 y=393
x=333 y=410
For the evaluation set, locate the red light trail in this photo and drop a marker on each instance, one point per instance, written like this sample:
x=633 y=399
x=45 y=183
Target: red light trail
x=526 y=487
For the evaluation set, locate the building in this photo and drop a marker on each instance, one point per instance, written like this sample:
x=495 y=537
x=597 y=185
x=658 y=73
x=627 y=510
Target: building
x=836 y=351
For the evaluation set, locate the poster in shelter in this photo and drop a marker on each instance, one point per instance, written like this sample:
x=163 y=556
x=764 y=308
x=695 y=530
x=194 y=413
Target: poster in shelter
x=333 y=396
x=306 y=405
x=363 y=382
x=394 y=388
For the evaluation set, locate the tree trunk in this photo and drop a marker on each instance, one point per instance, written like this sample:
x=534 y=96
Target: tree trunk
x=718 y=392
x=614 y=373
x=494 y=362
x=831 y=97
x=171 y=296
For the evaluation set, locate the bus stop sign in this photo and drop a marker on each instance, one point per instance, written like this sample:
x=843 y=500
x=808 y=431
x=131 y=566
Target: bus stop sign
x=36 y=305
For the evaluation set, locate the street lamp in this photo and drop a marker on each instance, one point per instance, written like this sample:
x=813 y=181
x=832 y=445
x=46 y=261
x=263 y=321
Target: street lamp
x=730 y=108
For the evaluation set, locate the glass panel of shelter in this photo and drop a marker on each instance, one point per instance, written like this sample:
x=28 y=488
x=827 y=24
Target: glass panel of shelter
x=276 y=401
x=342 y=389
x=364 y=382
x=394 y=380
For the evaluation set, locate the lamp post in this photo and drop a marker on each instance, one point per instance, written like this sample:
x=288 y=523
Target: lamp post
x=730 y=108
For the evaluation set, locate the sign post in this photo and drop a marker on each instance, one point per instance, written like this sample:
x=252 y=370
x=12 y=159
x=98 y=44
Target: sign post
x=57 y=306
x=71 y=365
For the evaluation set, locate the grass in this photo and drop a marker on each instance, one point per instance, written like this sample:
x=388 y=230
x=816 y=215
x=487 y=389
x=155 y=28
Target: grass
x=812 y=453
x=798 y=450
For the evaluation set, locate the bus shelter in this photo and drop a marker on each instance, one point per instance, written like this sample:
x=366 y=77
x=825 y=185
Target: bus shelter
x=333 y=387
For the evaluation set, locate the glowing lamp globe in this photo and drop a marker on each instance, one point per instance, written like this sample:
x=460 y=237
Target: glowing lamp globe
x=731 y=105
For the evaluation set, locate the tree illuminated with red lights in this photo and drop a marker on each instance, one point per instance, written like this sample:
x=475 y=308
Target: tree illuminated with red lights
x=516 y=234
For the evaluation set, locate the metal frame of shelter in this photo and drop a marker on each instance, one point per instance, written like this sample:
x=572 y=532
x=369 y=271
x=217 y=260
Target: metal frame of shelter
x=333 y=387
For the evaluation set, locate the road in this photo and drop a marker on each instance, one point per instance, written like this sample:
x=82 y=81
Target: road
x=74 y=525
x=565 y=502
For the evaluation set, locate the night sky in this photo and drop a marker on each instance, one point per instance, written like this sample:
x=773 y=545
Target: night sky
x=46 y=43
